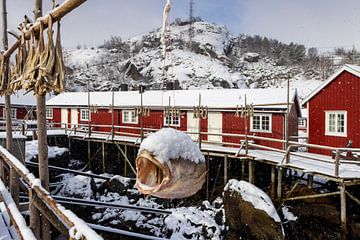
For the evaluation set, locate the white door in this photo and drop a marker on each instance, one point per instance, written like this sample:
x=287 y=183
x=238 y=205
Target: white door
x=215 y=126
x=192 y=125
x=64 y=117
x=74 y=117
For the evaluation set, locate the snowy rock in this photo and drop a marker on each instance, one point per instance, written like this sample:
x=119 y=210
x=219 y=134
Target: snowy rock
x=250 y=212
x=251 y=57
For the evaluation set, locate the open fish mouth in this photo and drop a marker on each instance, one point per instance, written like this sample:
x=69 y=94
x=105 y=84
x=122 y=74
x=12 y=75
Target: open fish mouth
x=151 y=175
x=176 y=178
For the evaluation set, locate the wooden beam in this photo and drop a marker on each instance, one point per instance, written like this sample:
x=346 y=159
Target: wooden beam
x=251 y=172
x=320 y=195
x=56 y=15
x=279 y=184
x=226 y=160
x=273 y=179
x=126 y=158
x=352 y=197
x=343 y=209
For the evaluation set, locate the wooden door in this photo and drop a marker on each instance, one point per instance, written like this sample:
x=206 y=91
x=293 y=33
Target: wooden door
x=215 y=126
x=192 y=125
x=64 y=117
x=74 y=117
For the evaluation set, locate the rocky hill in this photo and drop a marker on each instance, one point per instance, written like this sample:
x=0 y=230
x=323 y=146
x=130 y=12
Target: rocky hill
x=214 y=59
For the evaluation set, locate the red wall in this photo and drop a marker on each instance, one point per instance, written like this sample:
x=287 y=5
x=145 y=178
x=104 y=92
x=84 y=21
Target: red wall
x=20 y=113
x=231 y=124
x=343 y=93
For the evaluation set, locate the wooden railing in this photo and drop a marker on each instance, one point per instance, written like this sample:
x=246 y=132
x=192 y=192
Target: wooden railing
x=248 y=141
x=63 y=220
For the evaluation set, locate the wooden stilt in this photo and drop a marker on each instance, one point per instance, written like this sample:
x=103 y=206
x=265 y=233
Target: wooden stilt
x=343 y=210
x=89 y=154
x=279 y=185
x=225 y=169
x=310 y=181
x=273 y=179
x=103 y=156
x=207 y=176
x=251 y=172
x=242 y=169
x=125 y=163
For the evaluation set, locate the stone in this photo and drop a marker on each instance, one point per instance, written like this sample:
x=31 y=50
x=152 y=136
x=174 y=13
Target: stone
x=247 y=222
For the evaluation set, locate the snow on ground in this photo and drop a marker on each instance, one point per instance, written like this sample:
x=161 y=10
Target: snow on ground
x=169 y=143
x=204 y=221
x=288 y=216
x=31 y=150
x=250 y=193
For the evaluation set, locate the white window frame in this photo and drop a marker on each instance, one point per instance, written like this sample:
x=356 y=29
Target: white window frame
x=13 y=113
x=49 y=113
x=83 y=113
x=171 y=123
x=261 y=123
x=302 y=122
x=132 y=118
x=327 y=125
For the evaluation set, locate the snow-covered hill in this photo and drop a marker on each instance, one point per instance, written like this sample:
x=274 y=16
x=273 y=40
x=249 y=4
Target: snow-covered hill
x=139 y=60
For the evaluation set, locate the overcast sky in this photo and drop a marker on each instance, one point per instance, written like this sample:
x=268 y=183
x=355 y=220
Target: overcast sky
x=320 y=23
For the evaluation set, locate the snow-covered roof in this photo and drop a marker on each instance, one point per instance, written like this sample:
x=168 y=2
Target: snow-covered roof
x=22 y=99
x=349 y=68
x=214 y=98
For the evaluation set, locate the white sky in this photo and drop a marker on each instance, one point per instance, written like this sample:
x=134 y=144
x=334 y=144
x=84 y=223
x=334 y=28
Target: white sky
x=320 y=23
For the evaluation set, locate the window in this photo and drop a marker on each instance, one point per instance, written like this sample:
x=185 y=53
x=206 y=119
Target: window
x=335 y=123
x=129 y=116
x=172 y=120
x=261 y=123
x=13 y=113
x=49 y=113
x=84 y=115
x=302 y=122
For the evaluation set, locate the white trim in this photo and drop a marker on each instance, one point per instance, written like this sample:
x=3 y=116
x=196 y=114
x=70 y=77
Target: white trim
x=349 y=68
x=171 y=124
x=260 y=130
x=130 y=117
x=335 y=134
x=81 y=114
x=48 y=111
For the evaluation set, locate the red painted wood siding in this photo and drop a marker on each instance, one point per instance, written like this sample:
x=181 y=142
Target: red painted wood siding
x=234 y=125
x=21 y=113
x=341 y=94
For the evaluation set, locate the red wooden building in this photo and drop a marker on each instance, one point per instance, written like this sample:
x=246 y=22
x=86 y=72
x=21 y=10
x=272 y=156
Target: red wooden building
x=268 y=120
x=22 y=107
x=334 y=110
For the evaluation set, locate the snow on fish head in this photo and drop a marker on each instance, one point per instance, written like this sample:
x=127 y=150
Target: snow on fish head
x=170 y=165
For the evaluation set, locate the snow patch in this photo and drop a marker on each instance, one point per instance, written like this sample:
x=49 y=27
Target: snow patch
x=169 y=143
x=289 y=216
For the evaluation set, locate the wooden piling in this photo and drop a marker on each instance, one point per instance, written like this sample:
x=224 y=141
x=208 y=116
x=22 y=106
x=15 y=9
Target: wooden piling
x=125 y=163
x=343 y=209
x=273 y=179
x=226 y=159
x=103 y=156
x=279 y=184
x=310 y=181
x=242 y=169
x=251 y=172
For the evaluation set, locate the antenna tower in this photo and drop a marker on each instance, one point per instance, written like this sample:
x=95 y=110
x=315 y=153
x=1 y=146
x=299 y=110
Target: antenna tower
x=191 y=25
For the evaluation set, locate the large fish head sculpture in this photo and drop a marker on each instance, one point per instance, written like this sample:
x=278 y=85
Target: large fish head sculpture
x=166 y=172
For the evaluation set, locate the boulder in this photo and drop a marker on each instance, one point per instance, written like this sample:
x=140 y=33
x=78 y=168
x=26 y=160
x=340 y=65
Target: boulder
x=249 y=213
x=251 y=57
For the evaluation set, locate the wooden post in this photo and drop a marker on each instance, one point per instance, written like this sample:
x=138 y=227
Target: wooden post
x=251 y=172
x=103 y=156
x=279 y=185
x=343 y=209
x=226 y=169
x=310 y=181
x=141 y=114
x=89 y=154
x=42 y=141
x=34 y=216
x=273 y=179
x=125 y=163
x=207 y=176
x=112 y=115
x=14 y=185
x=199 y=123
x=337 y=163
x=242 y=168
x=246 y=129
